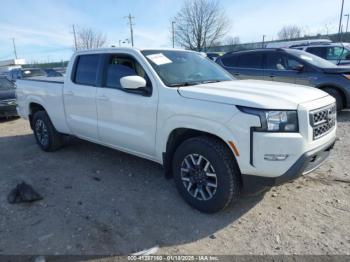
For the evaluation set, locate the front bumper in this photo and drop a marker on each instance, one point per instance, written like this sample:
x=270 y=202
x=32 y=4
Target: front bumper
x=308 y=162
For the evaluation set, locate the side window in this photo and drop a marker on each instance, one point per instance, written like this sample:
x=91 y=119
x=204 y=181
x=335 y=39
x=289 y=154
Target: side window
x=291 y=63
x=5 y=84
x=86 y=70
x=15 y=74
x=229 y=60
x=275 y=61
x=278 y=61
x=336 y=52
x=120 y=66
x=251 y=60
x=319 y=51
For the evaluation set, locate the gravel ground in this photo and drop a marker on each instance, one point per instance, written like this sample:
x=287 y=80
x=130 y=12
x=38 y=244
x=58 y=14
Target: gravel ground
x=101 y=201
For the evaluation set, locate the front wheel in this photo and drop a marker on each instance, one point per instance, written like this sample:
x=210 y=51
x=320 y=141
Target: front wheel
x=338 y=97
x=206 y=175
x=45 y=133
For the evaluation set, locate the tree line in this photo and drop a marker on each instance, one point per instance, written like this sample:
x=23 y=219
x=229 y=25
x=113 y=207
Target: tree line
x=199 y=25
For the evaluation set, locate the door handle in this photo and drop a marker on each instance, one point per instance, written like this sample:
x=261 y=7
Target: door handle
x=103 y=98
x=236 y=74
x=69 y=93
x=272 y=76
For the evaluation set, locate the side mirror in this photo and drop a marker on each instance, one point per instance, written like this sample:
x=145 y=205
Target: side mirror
x=132 y=82
x=299 y=68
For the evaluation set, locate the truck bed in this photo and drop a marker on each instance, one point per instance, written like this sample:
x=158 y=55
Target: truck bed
x=46 y=92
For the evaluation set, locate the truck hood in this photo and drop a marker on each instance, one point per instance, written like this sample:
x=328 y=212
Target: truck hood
x=253 y=93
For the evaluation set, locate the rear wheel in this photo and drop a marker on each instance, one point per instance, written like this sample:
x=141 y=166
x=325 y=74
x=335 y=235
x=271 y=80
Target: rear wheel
x=206 y=175
x=45 y=133
x=337 y=95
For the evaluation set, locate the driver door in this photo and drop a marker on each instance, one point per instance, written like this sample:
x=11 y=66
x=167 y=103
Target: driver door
x=126 y=120
x=279 y=67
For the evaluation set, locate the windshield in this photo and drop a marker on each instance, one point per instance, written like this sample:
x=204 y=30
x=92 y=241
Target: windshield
x=312 y=59
x=181 y=68
x=33 y=72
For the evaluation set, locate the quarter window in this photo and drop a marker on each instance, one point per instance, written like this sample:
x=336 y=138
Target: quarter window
x=86 y=70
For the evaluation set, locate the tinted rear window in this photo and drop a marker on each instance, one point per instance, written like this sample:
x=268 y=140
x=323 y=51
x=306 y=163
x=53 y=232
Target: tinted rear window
x=86 y=69
x=250 y=60
x=229 y=60
x=319 y=51
x=5 y=84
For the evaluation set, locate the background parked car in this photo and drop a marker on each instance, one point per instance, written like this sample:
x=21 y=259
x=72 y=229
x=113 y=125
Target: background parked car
x=337 y=53
x=52 y=72
x=7 y=98
x=292 y=66
x=214 y=55
x=20 y=73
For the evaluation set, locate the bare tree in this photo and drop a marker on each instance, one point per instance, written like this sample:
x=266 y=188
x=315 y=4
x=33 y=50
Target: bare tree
x=289 y=32
x=199 y=24
x=231 y=42
x=87 y=38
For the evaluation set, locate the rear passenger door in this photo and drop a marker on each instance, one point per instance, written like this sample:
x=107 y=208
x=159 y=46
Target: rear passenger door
x=245 y=65
x=80 y=96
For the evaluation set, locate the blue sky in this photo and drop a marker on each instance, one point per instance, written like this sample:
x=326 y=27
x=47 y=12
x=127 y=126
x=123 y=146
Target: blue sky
x=43 y=28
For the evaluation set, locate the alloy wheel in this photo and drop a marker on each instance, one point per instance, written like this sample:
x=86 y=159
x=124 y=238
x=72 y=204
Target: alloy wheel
x=199 y=177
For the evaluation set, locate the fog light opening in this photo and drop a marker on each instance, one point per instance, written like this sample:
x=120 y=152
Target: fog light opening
x=275 y=157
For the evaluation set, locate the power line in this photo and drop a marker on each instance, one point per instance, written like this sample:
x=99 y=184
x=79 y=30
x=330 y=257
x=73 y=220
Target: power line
x=131 y=28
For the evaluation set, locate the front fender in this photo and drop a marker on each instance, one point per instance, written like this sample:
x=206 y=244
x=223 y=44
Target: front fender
x=194 y=123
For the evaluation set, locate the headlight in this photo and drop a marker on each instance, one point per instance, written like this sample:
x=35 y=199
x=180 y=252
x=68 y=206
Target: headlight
x=274 y=120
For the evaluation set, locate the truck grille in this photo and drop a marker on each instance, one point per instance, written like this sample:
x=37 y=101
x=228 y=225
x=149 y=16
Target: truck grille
x=323 y=120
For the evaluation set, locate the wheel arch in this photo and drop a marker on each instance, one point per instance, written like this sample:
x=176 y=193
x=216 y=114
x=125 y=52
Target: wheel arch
x=34 y=107
x=178 y=136
x=345 y=99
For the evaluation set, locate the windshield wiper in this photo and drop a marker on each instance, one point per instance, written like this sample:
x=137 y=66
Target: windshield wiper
x=184 y=84
x=211 y=81
x=194 y=83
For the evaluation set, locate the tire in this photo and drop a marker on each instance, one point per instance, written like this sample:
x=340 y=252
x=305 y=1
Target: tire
x=45 y=133
x=337 y=95
x=221 y=163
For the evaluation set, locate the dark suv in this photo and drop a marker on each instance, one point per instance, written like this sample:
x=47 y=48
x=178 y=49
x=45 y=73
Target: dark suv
x=291 y=66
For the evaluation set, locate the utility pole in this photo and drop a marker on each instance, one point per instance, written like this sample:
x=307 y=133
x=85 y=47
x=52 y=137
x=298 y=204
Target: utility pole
x=347 y=23
x=173 y=30
x=14 y=47
x=263 y=41
x=75 y=39
x=340 y=20
x=131 y=29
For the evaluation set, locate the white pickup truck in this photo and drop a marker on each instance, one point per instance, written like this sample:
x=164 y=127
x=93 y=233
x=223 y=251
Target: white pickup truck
x=215 y=135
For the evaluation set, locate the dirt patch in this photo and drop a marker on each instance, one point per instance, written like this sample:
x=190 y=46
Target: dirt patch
x=101 y=201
